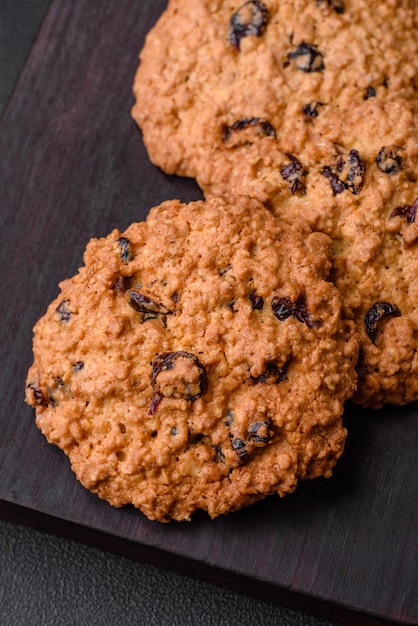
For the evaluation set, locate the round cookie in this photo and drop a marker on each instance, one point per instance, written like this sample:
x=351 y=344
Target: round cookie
x=198 y=360
x=310 y=107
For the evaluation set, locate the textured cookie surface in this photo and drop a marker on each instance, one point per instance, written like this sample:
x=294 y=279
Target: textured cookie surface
x=310 y=107
x=198 y=360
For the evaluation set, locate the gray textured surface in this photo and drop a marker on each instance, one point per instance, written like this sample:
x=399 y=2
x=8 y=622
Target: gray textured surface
x=49 y=581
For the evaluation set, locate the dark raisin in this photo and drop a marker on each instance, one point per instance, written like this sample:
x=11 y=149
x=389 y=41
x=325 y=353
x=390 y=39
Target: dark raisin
x=336 y=5
x=173 y=431
x=229 y=420
x=311 y=109
x=196 y=438
x=370 y=93
x=284 y=308
x=120 y=285
x=389 y=160
x=378 y=312
x=51 y=400
x=39 y=399
x=307 y=58
x=272 y=374
x=64 y=313
x=257 y=302
x=260 y=128
x=78 y=366
x=219 y=455
x=259 y=432
x=38 y=395
x=125 y=249
x=337 y=185
x=250 y=19
x=232 y=305
x=293 y=173
x=347 y=173
x=240 y=448
x=143 y=304
x=155 y=403
x=408 y=211
x=355 y=172
x=188 y=378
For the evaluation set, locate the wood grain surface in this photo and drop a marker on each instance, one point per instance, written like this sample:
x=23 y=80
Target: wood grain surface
x=73 y=166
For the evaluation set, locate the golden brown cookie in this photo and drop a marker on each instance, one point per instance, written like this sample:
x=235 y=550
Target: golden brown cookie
x=310 y=107
x=197 y=361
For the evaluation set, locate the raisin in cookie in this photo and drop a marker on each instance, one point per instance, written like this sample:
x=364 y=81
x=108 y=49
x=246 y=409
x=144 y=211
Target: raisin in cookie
x=310 y=107
x=198 y=360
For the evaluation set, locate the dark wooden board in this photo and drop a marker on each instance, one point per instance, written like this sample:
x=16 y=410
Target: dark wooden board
x=73 y=166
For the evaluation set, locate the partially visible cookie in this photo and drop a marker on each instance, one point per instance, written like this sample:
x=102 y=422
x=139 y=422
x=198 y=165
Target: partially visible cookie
x=362 y=190
x=215 y=74
x=309 y=107
x=198 y=360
